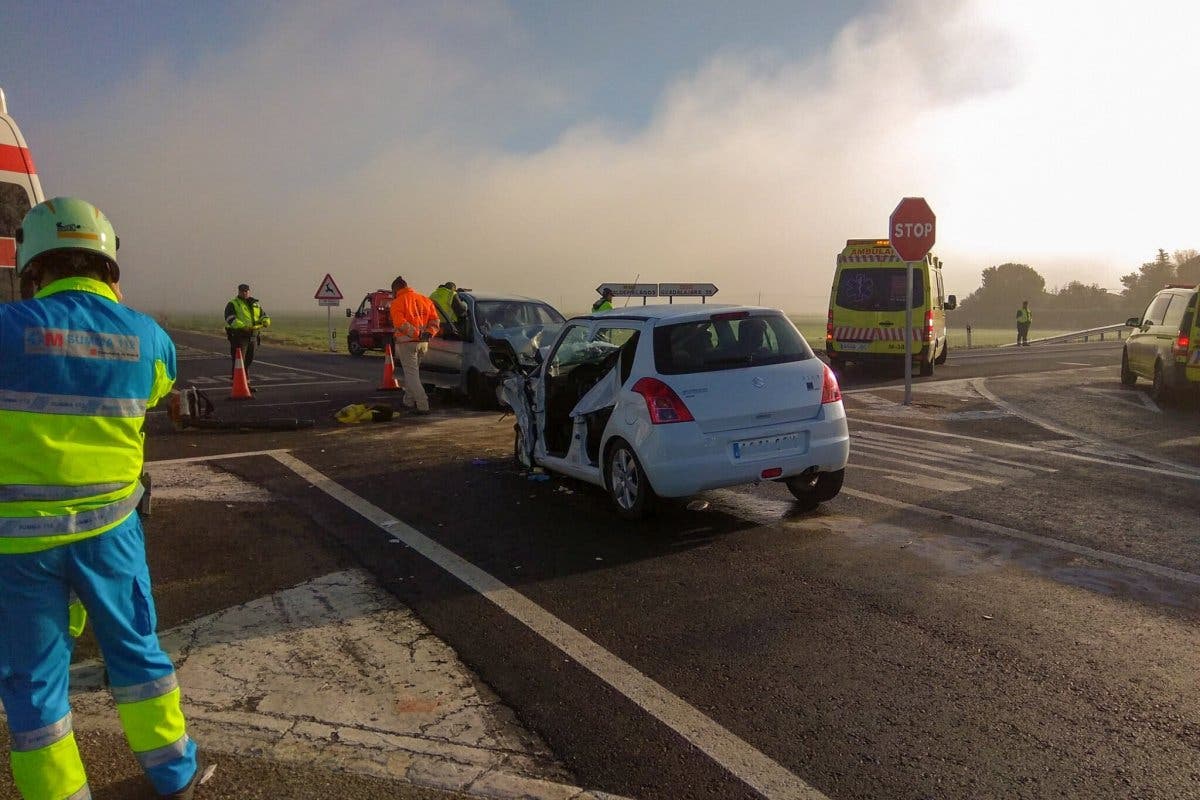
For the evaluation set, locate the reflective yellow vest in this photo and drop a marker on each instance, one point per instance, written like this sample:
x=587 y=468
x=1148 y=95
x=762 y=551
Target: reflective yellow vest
x=443 y=296
x=77 y=373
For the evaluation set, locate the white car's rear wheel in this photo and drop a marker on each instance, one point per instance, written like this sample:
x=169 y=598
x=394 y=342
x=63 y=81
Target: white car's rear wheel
x=627 y=482
x=812 y=490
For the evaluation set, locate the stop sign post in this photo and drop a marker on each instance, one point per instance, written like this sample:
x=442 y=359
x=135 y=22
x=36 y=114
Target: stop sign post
x=912 y=230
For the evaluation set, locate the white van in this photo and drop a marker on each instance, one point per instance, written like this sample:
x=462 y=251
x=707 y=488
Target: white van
x=20 y=191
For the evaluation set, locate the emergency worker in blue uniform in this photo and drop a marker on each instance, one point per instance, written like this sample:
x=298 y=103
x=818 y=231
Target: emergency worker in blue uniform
x=78 y=371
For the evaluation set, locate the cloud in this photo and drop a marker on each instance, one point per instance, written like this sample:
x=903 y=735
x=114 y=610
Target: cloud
x=371 y=143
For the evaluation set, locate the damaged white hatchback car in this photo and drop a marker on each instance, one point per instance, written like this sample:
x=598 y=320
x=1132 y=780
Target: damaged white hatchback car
x=671 y=400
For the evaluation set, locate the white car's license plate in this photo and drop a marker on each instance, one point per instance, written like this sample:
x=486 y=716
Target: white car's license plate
x=854 y=347
x=770 y=445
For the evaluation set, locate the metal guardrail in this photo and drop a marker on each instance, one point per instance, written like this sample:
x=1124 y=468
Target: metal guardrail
x=1118 y=329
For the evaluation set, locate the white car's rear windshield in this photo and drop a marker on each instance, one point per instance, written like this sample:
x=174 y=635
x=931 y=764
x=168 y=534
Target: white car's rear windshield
x=727 y=340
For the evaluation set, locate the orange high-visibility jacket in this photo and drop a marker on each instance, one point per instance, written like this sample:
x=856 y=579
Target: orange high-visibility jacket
x=413 y=314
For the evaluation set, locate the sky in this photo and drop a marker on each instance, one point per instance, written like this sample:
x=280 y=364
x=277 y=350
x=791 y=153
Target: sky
x=547 y=146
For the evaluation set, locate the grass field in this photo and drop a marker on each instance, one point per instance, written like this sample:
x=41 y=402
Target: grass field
x=309 y=331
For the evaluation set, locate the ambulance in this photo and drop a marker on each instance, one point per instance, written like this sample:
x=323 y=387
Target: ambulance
x=866 y=309
x=20 y=190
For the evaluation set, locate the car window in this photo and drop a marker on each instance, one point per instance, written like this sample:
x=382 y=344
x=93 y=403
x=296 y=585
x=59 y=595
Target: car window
x=623 y=339
x=1174 y=313
x=1156 y=310
x=501 y=314
x=878 y=289
x=570 y=350
x=728 y=341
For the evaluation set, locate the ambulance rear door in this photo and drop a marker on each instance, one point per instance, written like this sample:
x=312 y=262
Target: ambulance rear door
x=868 y=301
x=20 y=190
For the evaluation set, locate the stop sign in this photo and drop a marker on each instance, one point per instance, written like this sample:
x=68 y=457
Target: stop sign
x=912 y=229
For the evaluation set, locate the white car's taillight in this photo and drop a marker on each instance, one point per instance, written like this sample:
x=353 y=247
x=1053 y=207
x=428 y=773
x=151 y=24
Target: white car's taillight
x=830 y=391
x=663 y=405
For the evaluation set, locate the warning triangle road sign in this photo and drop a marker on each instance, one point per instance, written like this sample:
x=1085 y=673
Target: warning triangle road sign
x=328 y=290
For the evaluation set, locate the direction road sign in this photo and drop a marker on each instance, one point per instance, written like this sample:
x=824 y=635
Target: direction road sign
x=686 y=289
x=328 y=290
x=912 y=229
x=630 y=289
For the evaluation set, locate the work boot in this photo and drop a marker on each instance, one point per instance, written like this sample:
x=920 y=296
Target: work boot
x=204 y=771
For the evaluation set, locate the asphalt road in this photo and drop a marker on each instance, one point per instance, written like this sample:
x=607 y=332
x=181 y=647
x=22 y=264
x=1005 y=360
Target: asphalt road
x=1002 y=603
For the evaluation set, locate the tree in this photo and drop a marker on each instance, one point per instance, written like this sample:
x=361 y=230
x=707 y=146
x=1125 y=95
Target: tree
x=1001 y=291
x=1187 y=266
x=1153 y=275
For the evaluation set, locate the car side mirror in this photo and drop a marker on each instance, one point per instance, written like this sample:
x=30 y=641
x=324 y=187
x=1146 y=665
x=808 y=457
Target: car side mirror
x=1133 y=322
x=951 y=303
x=349 y=312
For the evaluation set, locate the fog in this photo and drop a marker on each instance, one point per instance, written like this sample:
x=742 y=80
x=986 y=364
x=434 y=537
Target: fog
x=1061 y=135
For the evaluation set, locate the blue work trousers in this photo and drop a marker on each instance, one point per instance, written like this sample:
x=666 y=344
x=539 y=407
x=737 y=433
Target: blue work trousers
x=110 y=575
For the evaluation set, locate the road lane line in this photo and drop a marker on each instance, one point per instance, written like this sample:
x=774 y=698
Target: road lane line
x=755 y=769
x=1033 y=538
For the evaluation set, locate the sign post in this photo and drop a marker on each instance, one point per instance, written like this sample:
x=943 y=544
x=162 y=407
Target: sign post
x=329 y=295
x=912 y=230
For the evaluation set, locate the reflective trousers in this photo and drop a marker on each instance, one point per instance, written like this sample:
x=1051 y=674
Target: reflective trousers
x=109 y=574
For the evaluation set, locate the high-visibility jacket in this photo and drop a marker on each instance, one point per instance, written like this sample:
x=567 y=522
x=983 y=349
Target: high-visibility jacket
x=603 y=304
x=413 y=314
x=77 y=373
x=449 y=302
x=245 y=316
x=1024 y=316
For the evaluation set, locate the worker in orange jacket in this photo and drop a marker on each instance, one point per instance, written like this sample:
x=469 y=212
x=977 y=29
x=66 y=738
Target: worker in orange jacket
x=414 y=322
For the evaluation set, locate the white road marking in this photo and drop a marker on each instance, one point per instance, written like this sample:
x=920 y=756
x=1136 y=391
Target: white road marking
x=756 y=770
x=1133 y=398
x=1096 y=441
x=908 y=461
x=1184 y=471
x=1074 y=364
x=924 y=445
x=214 y=457
x=910 y=479
x=1045 y=541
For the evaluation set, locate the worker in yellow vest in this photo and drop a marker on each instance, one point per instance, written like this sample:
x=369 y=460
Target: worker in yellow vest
x=1024 y=320
x=605 y=301
x=78 y=370
x=446 y=298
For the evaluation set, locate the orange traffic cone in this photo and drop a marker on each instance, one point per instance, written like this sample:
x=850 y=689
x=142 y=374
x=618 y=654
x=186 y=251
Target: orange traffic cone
x=241 y=384
x=388 y=383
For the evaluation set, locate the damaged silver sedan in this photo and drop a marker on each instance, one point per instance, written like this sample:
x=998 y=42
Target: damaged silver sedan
x=672 y=400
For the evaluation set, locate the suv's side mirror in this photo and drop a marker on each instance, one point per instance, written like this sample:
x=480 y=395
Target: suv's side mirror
x=951 y=303
x=1133 y=322
x=349 y=312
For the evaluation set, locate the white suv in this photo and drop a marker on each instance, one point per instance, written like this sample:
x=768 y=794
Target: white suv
x=672 y=400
